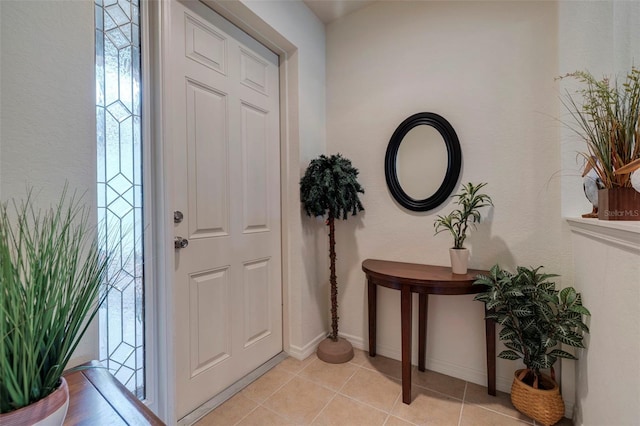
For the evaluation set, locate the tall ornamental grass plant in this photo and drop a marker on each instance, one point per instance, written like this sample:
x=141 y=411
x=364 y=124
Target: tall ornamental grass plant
x=607 y=118
x=52 y=282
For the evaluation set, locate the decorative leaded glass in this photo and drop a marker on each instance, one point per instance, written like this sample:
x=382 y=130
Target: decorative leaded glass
x=120 y=187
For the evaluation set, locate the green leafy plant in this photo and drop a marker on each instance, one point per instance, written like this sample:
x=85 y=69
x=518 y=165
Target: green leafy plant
x=52 y=282
x=330 y=187
x=535 y=317
x=458 y=221
x=607 y=114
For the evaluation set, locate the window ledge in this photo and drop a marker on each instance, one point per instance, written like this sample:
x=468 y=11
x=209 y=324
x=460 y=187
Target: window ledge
x=622 y=233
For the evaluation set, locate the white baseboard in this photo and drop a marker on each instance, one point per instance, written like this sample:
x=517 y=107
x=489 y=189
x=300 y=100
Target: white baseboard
x=568 y=407
x=303 y=352
x=472 y=375
x=356 y=342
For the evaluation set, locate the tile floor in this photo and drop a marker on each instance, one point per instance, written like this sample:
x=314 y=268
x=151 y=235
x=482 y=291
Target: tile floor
x=365 y=391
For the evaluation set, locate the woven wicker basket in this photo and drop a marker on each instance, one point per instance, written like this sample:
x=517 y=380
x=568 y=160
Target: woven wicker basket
x=544 y=406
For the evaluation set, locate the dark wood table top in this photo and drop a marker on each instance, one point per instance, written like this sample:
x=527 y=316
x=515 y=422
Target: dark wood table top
x=97 y=398
x=429 y=279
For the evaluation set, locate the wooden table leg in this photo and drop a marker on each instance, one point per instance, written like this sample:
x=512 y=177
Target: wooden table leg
x=490 y=330
x=423 y=309
x=405 y=308
x=372 y=304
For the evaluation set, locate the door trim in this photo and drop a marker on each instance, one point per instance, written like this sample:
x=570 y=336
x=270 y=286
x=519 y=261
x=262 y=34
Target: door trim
x=162 y=177
x=149 y=218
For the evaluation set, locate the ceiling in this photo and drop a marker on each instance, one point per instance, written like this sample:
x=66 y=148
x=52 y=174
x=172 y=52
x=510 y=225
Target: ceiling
x=330 y=10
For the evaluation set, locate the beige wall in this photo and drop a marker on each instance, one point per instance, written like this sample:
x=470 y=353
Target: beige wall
x=607 y=270
x=489 y=69
x=47 y=107
x=604 y=38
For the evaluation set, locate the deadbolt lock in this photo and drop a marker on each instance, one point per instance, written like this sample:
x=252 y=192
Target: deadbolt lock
x=177 y=216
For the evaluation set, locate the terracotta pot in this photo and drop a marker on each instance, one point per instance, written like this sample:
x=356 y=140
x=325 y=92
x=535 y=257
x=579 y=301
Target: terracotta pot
x=337 y=352
x=49 y=411
x=543 y=405
x=459 y=260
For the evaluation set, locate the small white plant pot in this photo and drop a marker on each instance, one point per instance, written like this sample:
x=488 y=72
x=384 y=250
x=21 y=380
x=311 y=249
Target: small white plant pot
x=459 y=260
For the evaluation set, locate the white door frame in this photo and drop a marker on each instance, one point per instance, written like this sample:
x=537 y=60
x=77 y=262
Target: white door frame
x=160 y=328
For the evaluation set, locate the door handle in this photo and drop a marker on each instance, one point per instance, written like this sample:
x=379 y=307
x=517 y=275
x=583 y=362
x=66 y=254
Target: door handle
x=180 y=242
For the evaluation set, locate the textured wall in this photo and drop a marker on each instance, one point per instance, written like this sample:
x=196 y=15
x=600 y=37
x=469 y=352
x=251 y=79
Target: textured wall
x=604 y=38
x=47 y=120
x=607 y=265
x=489 y=68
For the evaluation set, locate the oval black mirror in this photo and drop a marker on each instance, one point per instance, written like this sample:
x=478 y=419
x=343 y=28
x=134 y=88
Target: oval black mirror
x=422 y=164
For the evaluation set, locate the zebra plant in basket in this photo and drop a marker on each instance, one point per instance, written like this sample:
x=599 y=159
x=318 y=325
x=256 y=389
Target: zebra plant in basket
x=535 y=318
x=330 y=187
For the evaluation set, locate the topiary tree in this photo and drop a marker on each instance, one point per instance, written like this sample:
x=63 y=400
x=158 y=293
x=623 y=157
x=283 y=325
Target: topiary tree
x=330 y=187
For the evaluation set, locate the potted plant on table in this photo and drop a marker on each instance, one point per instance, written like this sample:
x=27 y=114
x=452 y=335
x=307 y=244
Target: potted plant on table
x=52 y=282
x=535 y=318
x=330 y=187
x=459 y=220
x=607 y=117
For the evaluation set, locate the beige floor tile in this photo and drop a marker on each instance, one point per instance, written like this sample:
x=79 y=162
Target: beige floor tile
x=263 y=417
x=294 y=366
x=474 y=415
x=359 y=357
x=299 y=400
x=230 y=412
x=438 y=382
x=343 y=411
x=394 y=421
x=501 y=403
x=429 y=408
x=266 y=385
x=332 y=376
x=299 y=392
x=384 y=365
x=372 y=388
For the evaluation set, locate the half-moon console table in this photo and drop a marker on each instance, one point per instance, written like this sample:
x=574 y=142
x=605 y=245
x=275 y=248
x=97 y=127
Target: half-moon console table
x=424 y=280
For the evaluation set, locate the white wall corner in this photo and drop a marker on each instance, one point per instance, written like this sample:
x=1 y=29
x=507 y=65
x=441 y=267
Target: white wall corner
x=302 y=352
x=607 y=271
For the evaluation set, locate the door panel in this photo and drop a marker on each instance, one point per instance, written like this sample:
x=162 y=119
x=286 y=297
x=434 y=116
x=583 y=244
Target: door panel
x=208 y=292
x=208 y=173
x=256 y=301
x=223 y=122
x=255 y=167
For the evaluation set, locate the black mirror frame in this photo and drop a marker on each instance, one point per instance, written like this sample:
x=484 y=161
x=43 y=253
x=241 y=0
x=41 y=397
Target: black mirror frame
x=454 y=161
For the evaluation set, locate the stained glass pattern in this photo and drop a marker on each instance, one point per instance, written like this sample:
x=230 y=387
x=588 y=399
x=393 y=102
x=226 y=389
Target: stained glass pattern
x=119 y=181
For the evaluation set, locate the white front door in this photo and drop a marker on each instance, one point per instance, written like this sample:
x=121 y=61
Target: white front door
x=222 y=112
